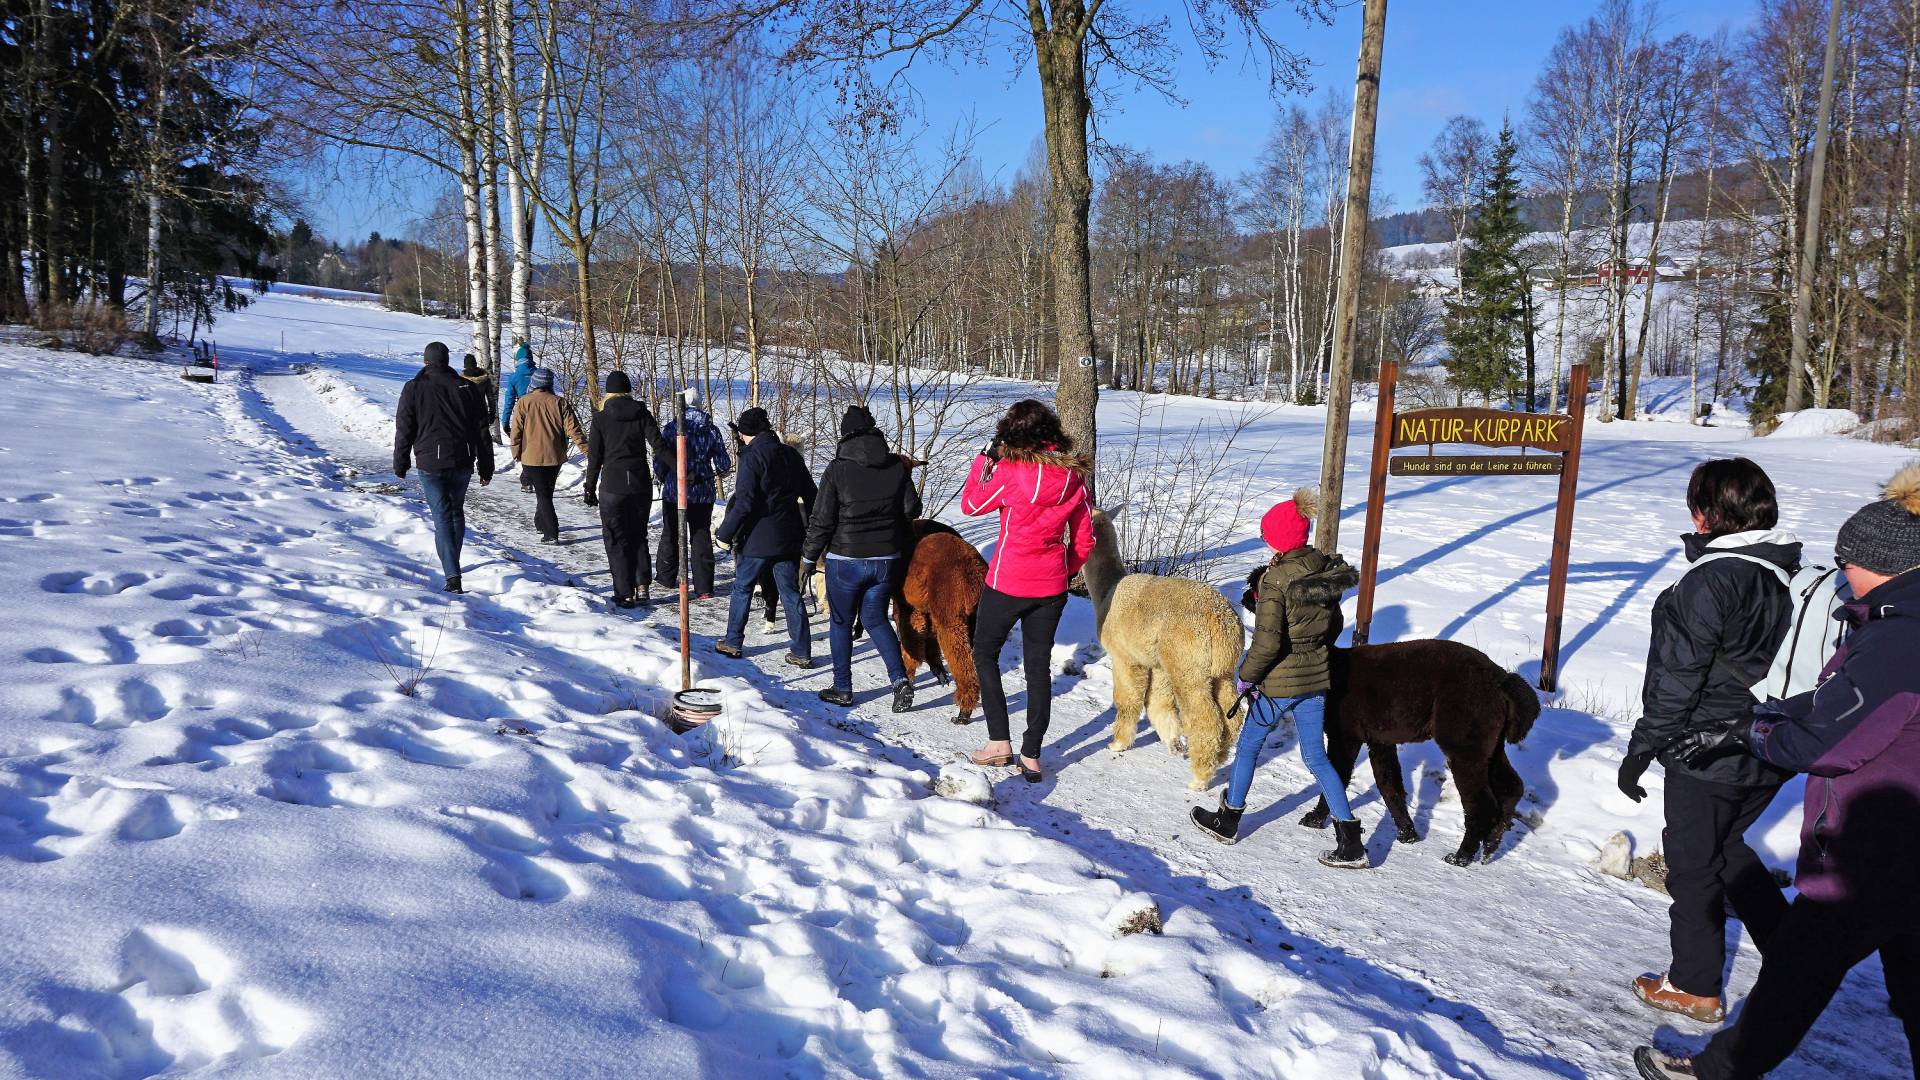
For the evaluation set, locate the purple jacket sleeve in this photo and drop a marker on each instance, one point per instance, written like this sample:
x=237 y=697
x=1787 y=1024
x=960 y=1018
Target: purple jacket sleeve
x=1846 y=722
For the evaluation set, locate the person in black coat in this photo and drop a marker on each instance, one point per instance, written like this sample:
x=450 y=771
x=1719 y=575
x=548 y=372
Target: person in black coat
x=620 y=483
x=441 y=428
x=861 y=524
x=765 y=524
x=1714 y=635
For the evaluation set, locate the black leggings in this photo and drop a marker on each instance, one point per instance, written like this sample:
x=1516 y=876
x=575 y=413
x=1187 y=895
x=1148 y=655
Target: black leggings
x=1039 y=618
x=545 y=521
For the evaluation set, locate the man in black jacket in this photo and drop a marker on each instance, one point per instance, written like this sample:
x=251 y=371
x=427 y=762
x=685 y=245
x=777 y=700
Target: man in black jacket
x=861 y=524
x=765 y=523
x=1714 y=635
x=441 y=427
x=620 y=483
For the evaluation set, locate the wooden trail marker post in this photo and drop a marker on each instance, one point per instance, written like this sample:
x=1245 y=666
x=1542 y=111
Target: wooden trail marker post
x=1558 y=435
x=682 y=540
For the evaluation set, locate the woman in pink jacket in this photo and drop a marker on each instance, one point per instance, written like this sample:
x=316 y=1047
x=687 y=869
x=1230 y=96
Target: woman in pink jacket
x=1031 y=476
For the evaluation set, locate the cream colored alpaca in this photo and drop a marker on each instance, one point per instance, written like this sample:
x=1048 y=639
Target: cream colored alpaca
x=1175 y=645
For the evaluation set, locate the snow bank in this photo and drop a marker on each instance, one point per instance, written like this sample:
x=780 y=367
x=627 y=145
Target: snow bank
x=1812 y=423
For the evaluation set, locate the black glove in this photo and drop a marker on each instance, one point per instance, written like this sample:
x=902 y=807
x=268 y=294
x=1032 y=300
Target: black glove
x=990 y=450
x=1706 y=744
x=590 y=498
x=1631 y=770
x=806 y=575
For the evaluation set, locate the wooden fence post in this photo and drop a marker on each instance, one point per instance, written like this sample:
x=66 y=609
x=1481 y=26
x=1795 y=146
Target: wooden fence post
x=1563 y=529
x=1376 y=499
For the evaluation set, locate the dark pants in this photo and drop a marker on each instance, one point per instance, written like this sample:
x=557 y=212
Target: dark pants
x=1039 y=618
x=699 y=546
x=1815 y=946
x=447 y=501
x=1709 y=868
x=858 y=590
x=747 y=570
x=623 y=525
x=543 y=477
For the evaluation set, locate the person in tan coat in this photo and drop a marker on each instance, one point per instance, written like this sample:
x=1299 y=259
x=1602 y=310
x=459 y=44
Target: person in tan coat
x=542 y=426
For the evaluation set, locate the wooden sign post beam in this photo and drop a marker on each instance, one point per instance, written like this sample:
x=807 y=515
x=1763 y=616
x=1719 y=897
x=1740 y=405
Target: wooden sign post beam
x=1557 y=435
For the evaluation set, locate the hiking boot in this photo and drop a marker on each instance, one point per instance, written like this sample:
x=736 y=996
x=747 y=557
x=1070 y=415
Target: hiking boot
x=704 y=596
x=801 y=662
x=1222 y=824
x=903 y=695
x=1660 y=1065
x=624 y=602
x=842 y=698
x=1349 y=853
x=731 y=652
x=453 y=585
x=1656 y=991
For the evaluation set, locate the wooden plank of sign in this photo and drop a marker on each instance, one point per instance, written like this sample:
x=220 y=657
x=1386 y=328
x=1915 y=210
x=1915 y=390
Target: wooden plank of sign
x=1482 y=427
x=1474 y=465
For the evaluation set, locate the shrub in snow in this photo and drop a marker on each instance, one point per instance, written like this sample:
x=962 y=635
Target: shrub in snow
x=1808 y=423
x=964 y=783
x=1136 y=913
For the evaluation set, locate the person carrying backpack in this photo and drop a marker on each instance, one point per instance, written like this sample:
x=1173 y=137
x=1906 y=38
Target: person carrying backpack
x=1857 y=737
x=618 y=481
x=1715 y=634
x=706 y=459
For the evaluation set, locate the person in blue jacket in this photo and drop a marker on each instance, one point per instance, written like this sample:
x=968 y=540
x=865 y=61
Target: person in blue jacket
x=512 y=389
x=765 y=523
x=706 y=459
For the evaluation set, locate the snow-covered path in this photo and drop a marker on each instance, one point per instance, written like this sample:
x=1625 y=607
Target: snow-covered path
x=1530 y=954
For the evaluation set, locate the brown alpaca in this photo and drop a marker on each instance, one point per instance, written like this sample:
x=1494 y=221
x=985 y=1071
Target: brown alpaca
x=1413 y=691
x=934 y=608
x=1174 y=644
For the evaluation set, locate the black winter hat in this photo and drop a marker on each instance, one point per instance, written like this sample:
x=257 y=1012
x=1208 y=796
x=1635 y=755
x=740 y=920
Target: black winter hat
x=436 y=353
x=1884 y=536
x=618 y=383
x=753 y=422
x=469 y=366
x=856 y=421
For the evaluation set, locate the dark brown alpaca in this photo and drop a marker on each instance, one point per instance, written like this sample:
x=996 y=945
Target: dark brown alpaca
x=934 y=608
x=1444 y=691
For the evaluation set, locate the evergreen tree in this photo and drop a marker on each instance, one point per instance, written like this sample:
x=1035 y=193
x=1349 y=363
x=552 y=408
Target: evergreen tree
x=1484 y=328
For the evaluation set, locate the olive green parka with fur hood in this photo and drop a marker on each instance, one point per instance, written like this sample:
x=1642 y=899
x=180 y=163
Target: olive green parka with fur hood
x=1296 y=622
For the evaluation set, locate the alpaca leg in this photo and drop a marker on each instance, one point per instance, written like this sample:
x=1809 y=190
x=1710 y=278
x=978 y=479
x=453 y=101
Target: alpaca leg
x=1344 y=753
x=1476 y=803
x=957 y=643
x=1205 y=730
x=1164 y=713
x=932 y=649
x=1507 y=790
x=1391 y=782
x=1129 y=698
x=912 y=647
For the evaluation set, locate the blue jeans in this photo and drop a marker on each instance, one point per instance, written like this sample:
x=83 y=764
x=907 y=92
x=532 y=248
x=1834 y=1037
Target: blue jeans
x=786 y=580
x=862 y=587
x=1310 y=721
x=447 y=500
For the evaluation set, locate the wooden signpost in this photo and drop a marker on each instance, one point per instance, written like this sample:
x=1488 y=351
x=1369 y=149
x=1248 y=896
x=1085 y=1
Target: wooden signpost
x=1557 y=436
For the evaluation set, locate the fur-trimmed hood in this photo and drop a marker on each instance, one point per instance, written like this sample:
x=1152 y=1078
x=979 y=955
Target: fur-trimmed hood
x=1075 y=460
x=1312 y=577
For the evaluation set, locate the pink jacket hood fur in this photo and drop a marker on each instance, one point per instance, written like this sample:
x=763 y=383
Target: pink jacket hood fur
x=1046 y=532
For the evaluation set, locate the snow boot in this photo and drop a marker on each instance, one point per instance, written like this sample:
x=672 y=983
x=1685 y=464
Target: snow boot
x=453 y=585
x=842 y=698
x=1349 y=853
x=624 y=603
x=903 y=696
x=801 y=662
x=1222 y=824
x=731 y=652
x=1659 y=1065
x=1656 y=991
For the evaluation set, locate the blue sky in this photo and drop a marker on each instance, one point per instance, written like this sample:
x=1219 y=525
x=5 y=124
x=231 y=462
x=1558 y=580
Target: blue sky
x=1442 y=57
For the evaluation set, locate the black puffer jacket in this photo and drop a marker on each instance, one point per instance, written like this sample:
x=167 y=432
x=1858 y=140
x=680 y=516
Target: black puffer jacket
x=866 y=503
x=442 y=423
x=622 y=435
x=767 y=516
x=1714 y=634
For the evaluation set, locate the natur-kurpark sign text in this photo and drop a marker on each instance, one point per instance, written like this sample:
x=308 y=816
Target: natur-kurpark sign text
x=1554 y=436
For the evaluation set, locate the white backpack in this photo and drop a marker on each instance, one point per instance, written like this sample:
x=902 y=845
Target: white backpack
x=1818 y=592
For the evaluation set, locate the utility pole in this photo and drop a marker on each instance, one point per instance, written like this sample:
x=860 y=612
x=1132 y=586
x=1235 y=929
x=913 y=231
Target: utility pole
x=1810 y=245
x=1353 y=244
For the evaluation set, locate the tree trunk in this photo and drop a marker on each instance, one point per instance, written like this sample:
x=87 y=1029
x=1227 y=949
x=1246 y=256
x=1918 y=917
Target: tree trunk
x=1366 y=104
x=1066 y=107
x=1810 y=243
x=583 y=302
x=519 y=213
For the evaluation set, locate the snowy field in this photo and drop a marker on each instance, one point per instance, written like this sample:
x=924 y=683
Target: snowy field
x=233 y=843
